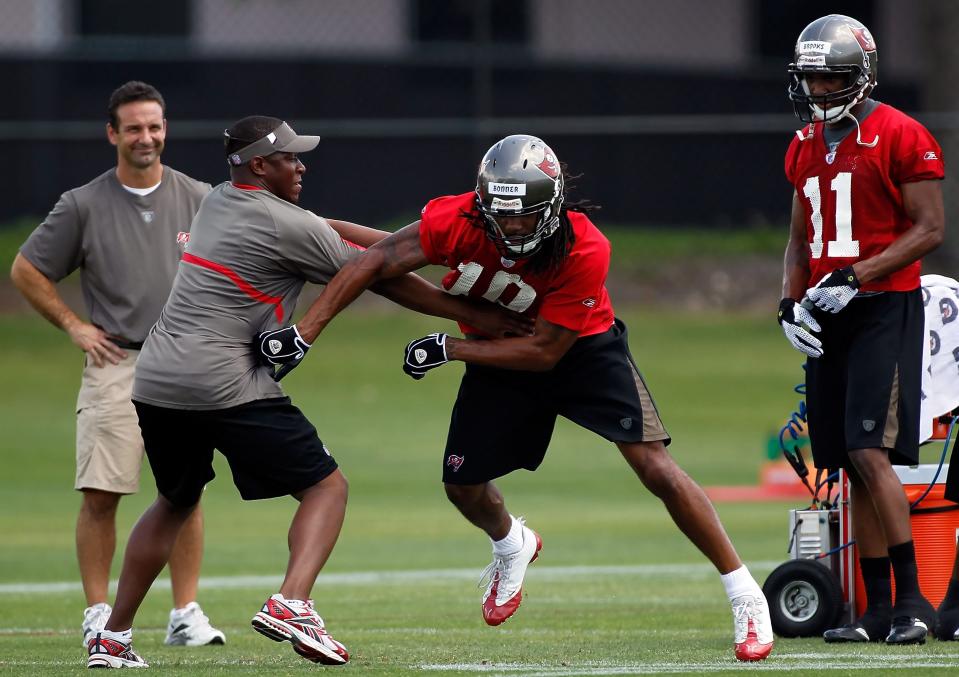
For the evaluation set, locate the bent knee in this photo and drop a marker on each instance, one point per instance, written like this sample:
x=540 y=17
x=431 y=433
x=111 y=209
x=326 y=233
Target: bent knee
x=463 y=494
x=654 y=466
x=338 y=482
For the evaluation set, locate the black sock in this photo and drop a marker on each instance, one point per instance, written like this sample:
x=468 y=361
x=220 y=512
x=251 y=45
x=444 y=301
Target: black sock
x=952 y=594
x=877 y=579
x=903 y=559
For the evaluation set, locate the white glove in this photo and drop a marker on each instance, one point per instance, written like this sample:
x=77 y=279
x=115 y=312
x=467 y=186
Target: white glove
x=835 y=290
x=799 y=326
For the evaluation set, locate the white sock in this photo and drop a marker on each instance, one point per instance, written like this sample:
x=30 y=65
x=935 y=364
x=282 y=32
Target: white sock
x=126 y=636
x=292 y=602
x=740 y=582
x=513 y=540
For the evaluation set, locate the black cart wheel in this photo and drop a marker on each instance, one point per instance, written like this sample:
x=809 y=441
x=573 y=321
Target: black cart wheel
x=805 y=598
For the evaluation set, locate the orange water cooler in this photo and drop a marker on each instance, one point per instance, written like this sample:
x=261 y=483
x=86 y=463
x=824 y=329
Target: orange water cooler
x=935 y=529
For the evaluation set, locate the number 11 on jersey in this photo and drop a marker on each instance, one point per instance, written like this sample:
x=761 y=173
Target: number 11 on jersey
x=843 y=246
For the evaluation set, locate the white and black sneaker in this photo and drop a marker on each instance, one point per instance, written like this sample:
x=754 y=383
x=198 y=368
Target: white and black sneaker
x=107 y=650
x=189 y=626
x=94 y=620
x=912 y=620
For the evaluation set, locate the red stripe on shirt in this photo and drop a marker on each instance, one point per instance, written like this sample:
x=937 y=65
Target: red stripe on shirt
x=245 y=287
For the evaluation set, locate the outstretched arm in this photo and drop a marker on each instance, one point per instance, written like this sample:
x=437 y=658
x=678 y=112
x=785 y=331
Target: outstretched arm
x=385 y=265
x=413 y=292
x=391 y=257
x=357 y=234
x=539 y=352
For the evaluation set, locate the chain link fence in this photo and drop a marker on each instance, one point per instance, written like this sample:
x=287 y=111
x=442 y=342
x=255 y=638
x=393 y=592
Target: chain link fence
x=684 y=98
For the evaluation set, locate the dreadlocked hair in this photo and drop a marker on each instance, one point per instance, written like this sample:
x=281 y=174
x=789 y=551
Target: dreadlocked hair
x=557 y=246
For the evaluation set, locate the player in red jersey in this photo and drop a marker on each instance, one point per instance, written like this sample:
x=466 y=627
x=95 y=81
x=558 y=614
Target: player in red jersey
x=515 y=242
x=867 y=207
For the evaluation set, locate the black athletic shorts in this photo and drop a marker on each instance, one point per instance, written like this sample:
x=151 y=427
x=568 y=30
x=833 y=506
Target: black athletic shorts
x=864 y=391
x=272 y=449
x=503 y=419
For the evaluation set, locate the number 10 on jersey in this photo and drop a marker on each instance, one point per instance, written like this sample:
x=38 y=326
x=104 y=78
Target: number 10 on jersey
x=843 y=246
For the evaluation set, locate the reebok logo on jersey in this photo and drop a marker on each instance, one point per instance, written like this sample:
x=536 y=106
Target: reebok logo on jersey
x=275 y=346
x=419 y=355
x=590 y=302
x=455 y=461
x=182 y=238
x=930 y=155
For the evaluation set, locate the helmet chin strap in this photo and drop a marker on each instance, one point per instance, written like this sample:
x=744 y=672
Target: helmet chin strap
x=859 y=141
x=523 y=248
x=823 y=115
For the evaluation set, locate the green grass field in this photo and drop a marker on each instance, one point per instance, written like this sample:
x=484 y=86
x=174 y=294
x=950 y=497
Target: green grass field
x=617 y=589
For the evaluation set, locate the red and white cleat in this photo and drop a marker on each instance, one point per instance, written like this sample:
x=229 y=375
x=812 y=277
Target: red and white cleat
x=297 y=622
x=505 y=574
x=109 y=652
x=753 y=639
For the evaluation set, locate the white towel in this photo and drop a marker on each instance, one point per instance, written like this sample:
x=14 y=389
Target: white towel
x=940 y=360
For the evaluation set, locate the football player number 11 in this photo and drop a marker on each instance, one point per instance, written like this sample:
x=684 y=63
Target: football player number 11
x=843 y=246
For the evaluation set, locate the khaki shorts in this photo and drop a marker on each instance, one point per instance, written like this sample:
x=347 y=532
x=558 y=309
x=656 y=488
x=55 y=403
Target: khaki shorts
x=109 y=444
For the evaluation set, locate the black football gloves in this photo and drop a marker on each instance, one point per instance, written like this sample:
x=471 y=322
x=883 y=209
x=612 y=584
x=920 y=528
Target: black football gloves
x=284 y=348
x=424 y=354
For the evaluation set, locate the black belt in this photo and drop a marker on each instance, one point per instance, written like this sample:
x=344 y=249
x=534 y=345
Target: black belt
x=127 y=345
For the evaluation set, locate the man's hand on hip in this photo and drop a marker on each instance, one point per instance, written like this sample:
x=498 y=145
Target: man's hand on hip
x=96 y=343
x=284 y=348
x=424 y=354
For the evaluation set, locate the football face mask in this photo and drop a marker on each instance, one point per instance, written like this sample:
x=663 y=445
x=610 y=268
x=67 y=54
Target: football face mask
x=520 y=175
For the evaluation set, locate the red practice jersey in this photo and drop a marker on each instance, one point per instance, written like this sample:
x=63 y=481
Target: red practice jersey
x=572 y=296
x=853 y=196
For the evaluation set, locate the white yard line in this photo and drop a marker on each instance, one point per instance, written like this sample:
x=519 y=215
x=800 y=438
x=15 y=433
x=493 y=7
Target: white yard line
x=776 y=663
x=416 y=577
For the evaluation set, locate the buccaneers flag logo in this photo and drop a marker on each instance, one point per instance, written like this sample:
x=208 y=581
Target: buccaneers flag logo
x=544 y=158
x=865 y=39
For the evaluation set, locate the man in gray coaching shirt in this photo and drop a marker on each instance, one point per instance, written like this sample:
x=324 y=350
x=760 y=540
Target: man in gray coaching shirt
x=124 y=231
x=198 y=386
